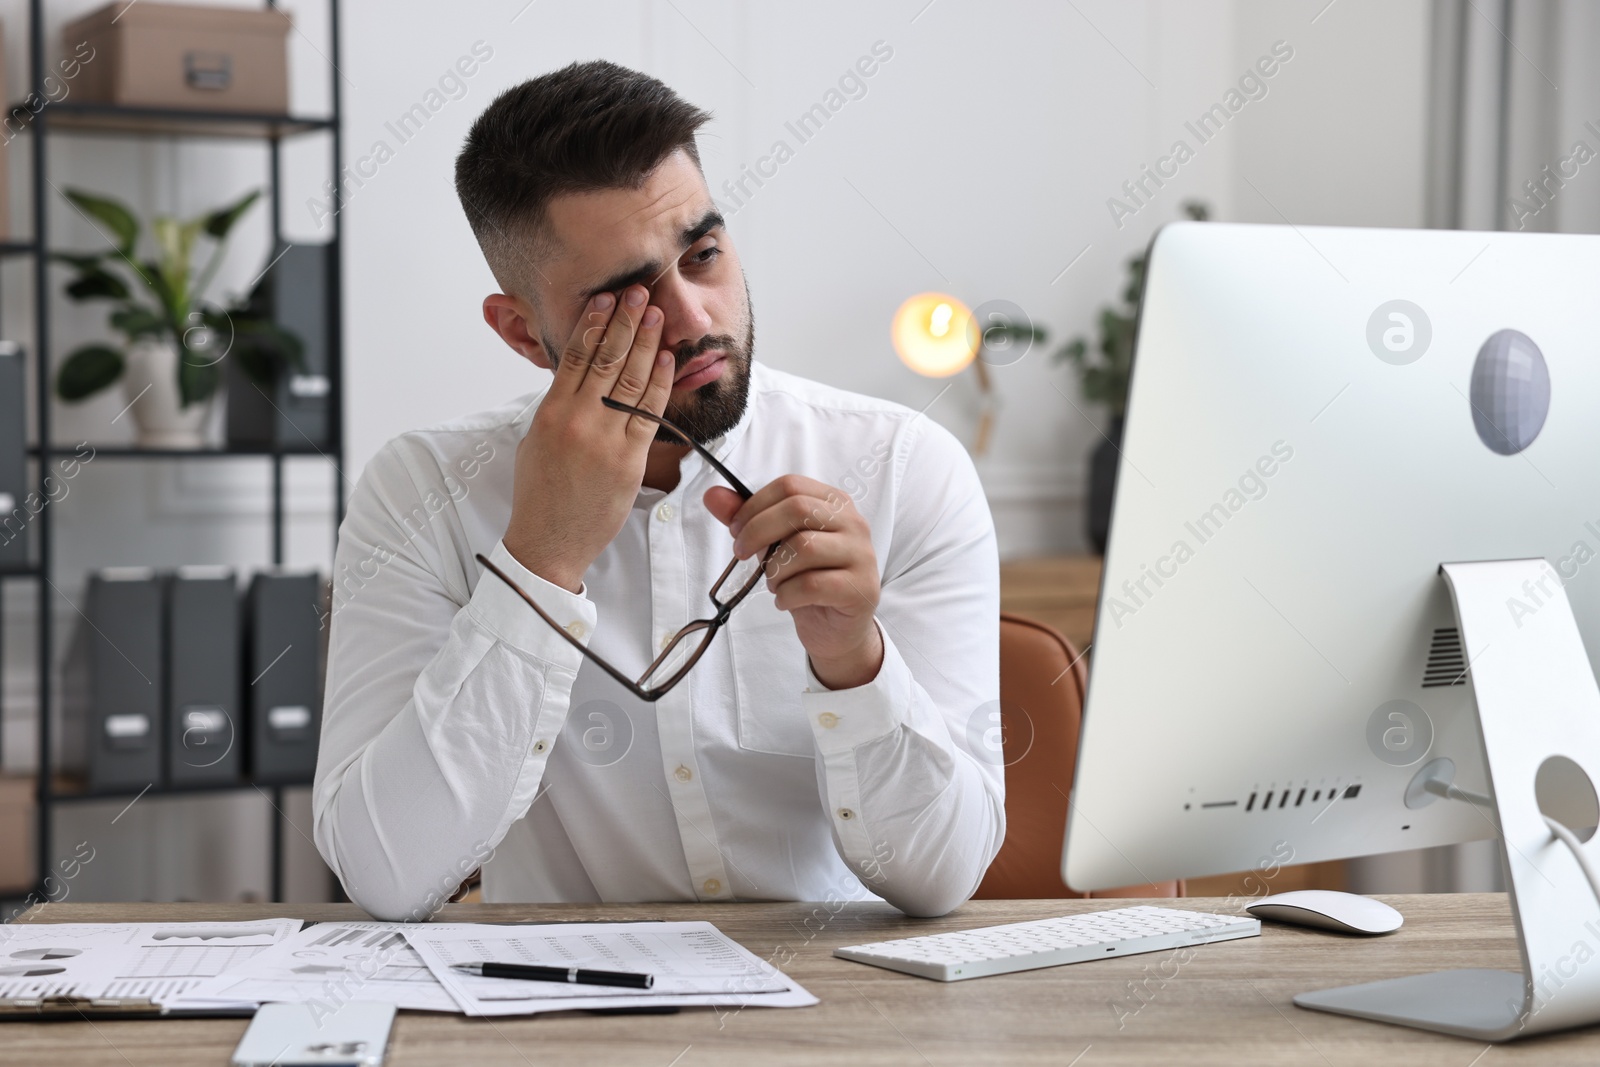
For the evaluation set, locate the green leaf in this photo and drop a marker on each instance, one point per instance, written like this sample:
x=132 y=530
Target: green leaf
x=1073 y=351
x=97 y=284
x=82 y=261
x=219 y=222
x=176 y=243
x=171 y=303
x=265 y=350
x=87 y=371
x=111 y=215
x=136 y=321
x=197 y=381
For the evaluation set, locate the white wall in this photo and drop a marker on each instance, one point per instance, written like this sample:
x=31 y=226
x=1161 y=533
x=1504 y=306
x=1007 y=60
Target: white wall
x=980 y=161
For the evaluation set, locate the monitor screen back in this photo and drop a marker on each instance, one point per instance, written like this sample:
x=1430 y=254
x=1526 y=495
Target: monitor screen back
x=1318 y=418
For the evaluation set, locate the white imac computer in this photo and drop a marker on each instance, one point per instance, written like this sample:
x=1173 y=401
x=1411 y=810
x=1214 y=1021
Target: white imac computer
x=1351 y=600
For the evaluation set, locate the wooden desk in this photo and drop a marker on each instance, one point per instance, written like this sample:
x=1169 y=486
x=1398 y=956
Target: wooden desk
x=1229 y=1004
x=1061 y=591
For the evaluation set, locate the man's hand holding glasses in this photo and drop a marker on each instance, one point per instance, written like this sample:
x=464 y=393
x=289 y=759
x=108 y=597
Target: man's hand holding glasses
x=824 y=574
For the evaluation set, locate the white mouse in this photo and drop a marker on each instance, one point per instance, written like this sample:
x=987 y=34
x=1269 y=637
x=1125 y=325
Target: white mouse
x=1326 y=909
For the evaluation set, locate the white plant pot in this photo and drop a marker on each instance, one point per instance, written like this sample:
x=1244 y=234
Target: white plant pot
x=150 y=382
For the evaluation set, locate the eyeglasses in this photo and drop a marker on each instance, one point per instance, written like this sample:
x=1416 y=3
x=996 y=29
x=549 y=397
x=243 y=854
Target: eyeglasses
x=681 y=651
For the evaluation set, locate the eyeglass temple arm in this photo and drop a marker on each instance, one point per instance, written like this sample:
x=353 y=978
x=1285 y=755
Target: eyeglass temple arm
x=716 y=464
x=618 y=676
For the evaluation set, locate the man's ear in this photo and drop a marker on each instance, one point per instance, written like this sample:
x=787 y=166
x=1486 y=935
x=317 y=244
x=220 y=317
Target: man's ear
x=512 y=319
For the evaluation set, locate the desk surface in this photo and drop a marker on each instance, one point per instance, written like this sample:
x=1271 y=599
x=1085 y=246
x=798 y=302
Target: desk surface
x=1229 y=1004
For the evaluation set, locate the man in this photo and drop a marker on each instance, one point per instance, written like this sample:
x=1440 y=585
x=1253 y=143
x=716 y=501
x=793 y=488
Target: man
x=830 y=736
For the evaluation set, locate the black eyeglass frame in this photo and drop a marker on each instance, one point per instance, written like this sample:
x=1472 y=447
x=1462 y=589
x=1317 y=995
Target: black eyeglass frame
x=708 y=626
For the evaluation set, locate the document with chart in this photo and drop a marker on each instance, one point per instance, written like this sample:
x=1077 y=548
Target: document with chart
x=329 y=964
x=127 y=961
x=692 y=963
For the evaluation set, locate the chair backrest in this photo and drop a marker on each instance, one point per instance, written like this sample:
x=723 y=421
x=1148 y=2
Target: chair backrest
x=1042 y=684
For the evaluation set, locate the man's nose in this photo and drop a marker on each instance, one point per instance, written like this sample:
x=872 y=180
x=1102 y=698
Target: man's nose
x=686 y=316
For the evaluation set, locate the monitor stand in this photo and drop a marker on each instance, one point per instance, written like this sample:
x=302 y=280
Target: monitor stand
x=1539 y=714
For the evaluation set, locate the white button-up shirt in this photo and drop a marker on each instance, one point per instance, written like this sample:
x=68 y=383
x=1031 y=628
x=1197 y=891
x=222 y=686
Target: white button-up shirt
x=459 y=729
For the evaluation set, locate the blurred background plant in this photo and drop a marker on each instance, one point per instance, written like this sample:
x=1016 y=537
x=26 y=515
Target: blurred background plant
x=163 y=300
x=1103 y=375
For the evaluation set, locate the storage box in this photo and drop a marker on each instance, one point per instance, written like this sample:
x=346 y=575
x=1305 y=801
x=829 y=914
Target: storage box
x=296 y=414
x=183 y=56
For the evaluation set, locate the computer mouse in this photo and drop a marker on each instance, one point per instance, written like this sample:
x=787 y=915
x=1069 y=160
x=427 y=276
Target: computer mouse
x=1325 y=909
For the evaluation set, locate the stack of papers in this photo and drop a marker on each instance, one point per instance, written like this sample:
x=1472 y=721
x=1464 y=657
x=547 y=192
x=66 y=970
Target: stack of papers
x=409 y=965
x=160 y=962
x=330 y=963
x=693 y=963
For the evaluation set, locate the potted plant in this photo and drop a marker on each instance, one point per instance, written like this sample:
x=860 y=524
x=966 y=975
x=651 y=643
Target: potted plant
x=1103 y=374
x=175 y=339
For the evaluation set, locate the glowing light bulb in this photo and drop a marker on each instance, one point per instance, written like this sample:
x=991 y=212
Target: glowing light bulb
x=933 y=334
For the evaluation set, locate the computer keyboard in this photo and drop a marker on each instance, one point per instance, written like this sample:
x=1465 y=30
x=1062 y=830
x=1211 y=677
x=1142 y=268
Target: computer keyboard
x=1050 y=942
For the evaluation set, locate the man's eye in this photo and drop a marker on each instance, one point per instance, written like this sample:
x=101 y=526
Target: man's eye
x=706 y=255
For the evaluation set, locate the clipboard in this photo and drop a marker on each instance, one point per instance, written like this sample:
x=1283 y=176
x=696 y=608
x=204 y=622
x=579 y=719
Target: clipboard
x=70 y=1009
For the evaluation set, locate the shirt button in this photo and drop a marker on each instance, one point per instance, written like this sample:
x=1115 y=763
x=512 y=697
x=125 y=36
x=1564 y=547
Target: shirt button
x=712 y=887
x=683 y=774
x=666 y=640
x=539 y=746
x=846 y=814
x=828 y=720
x=577 y=629
x=664 y=513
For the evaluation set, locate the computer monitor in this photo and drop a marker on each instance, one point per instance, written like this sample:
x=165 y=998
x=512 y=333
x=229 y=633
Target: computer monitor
x=1318 y=419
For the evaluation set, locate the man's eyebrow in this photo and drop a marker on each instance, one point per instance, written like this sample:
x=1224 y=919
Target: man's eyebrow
x=648 y=273
x=711 y=220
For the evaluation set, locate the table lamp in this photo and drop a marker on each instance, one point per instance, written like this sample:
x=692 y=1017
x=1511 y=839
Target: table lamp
x=934 y=334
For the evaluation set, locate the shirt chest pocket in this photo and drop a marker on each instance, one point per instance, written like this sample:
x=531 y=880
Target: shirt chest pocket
x=769 y=670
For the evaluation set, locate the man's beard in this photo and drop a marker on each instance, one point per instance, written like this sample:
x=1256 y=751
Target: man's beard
x=716 y=407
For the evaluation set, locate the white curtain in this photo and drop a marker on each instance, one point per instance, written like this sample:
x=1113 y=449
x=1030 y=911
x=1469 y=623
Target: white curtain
x=1514 y=122
x=1513 y=144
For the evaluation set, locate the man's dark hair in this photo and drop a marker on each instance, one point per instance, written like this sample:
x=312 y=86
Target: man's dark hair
x=586 y=127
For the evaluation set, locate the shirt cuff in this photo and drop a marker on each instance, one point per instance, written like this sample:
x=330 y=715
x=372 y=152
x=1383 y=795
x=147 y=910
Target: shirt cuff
x=497 y=607
x=843 y=719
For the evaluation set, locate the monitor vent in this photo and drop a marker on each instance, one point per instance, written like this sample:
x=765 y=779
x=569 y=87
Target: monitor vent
x=1447 y=665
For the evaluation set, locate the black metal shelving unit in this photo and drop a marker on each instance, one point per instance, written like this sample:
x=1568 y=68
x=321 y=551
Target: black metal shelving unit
x=72 y=118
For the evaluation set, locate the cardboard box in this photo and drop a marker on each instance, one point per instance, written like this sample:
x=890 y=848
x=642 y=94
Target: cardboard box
x=183 y=56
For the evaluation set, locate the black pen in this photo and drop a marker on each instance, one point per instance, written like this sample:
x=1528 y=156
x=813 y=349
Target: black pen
x=532 y=973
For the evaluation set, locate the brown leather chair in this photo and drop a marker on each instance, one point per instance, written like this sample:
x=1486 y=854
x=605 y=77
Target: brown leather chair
x=1042 y=684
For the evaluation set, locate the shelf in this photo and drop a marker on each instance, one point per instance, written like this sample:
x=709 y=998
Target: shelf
x=72 y=117
x=73 y=791
x=130 y=452
x=75 y=118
